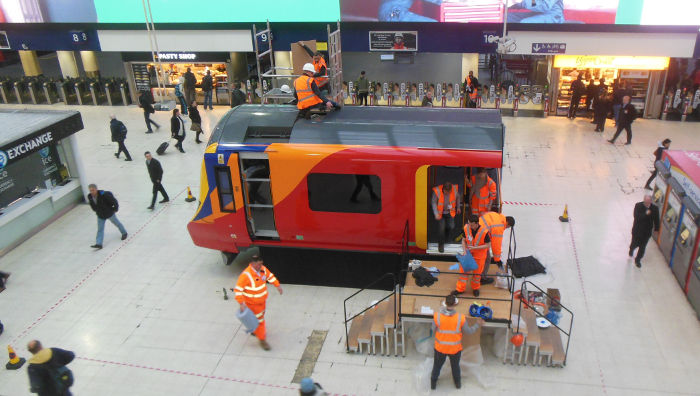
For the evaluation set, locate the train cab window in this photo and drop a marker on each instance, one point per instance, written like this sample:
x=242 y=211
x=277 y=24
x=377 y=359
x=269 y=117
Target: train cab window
x=223 y=182
x=345 y=193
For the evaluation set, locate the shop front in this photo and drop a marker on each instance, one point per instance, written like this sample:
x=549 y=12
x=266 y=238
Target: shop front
x=40 y=171
x=142 y=72
x=642 y=77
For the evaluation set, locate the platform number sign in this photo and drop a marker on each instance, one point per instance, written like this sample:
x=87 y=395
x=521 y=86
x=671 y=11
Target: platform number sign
x=79 y=37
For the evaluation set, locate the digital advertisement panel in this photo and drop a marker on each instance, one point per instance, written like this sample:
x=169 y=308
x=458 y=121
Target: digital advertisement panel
x=621 y=12
x=393 y=41
x=209 y=11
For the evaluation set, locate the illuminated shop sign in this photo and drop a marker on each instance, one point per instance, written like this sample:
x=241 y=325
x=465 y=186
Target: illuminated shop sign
x=176 y=56
x=611 y=62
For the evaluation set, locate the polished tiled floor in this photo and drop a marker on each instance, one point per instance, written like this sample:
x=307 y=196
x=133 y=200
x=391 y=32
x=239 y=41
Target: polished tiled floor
x=146 y=316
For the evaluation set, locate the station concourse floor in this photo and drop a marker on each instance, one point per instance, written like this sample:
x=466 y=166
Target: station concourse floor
x=146 y=316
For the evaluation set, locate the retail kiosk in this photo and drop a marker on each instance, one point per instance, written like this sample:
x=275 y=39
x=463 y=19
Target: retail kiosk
x=642 y=75
x=670 y=218
x=660 y=193
x=41 y=173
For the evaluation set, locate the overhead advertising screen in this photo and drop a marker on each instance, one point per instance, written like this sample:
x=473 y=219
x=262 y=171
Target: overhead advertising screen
x=208 y=11
x=621 y=12
x=51 y=11
x=393 y=41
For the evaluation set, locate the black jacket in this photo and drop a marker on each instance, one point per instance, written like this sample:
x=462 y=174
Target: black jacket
x=118 y=130
x=207 y=83
x=40 y=380
x=427 y=102
x=659 y=152
x=146 y=103
x=627 y=114
x=155 y=171
x=644 y=223
x=578 y=88
x=194 y=114
x=190 y=80
x=602 y=106
x=175 y=126
x=105 y=205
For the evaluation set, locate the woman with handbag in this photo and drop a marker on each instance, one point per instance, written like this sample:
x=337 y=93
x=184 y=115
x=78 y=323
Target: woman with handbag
x=196 y=121
x=177 y=129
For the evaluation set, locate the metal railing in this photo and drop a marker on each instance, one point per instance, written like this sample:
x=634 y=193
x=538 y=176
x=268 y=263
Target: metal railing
x=523 y=300
x=345 y=307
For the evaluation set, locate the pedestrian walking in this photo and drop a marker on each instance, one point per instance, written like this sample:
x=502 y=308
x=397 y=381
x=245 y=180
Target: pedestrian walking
x=646 y=219
x=626 y=116
x=578 y=89
x=189 y=82
x=207 y=88
x=3 y=282
x=196 y=119
x=155 y=172
x=118 y=130
x=619 y=92
x=177 y=129
x=251 y=292
x=48 y=374
x=601 y=108
x=658 y=153
x=106 y=207
x=448 y=326
x=146 y=103
x=362 y=86
x=180 y=96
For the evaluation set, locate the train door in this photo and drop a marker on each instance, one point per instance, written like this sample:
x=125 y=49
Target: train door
x=436 y=176
x=257 y=195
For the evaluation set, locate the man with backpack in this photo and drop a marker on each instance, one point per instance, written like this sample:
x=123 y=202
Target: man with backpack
x=105 y=206
x=118 y=130
x=48 y=374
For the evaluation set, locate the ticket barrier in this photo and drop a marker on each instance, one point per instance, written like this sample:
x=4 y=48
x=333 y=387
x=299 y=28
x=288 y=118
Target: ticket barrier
x=21 y=91
x=686 y=241
x=35 y=91
x=670 y=218
x=82 y=91
x=97 y=93
x=124 y=91
x=660 y=193
x=50 y=93
x=6 y=91
x=66 y=91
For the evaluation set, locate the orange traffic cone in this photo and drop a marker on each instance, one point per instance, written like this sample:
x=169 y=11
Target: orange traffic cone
x=189 y=198
x=565 y=217
x=15 y=362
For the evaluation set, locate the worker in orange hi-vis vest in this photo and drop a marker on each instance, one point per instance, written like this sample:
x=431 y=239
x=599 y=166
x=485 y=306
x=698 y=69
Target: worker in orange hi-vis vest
x=496 y=224
x=482 y=192
x=251 y=292
x=477 y=241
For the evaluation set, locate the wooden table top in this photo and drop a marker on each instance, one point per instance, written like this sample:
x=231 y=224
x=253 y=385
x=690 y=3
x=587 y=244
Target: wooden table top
x=414 y=297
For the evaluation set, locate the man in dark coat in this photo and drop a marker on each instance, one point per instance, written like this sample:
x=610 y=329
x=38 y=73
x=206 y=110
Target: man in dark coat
x=627 y=115
x=105 y=206
x=146 y=103
x=646 y=219
x=591 y=94
x=207 y=88
x=188 y=85
x=601 y=108
x=237 y=96
x=48 y=375
x=196 y=120
x=155 y=171
x=118 y=130
x=177 y=129
x=578 y=89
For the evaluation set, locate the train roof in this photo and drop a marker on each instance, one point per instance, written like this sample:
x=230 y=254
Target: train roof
x=435 y=128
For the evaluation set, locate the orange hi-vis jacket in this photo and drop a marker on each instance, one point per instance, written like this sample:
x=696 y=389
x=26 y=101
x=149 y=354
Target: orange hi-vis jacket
x=441 y=200
x=448 y=332
x=495 y=224
x=305 y=95
x=321 y=81
x=477 y=240
x=481 y=201
x=474 y=93
x=251 y=287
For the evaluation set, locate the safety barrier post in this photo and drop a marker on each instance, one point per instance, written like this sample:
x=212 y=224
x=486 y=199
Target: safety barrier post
x=686 y=106
x=478 y=101
x=516 y=101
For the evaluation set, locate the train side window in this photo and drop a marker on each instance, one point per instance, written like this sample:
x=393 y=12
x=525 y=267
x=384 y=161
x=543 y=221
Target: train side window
x=223 y=182
x=345 y=193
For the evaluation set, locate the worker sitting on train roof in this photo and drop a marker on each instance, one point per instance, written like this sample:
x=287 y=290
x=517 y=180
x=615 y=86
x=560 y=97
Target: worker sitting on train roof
x=308 y=95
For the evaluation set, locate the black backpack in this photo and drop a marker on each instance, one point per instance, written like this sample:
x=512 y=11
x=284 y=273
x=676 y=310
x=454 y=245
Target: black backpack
x=62 y=378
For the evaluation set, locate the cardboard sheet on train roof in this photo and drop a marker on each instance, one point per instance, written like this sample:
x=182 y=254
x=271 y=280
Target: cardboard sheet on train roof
x=300 y=56
x=471 y=339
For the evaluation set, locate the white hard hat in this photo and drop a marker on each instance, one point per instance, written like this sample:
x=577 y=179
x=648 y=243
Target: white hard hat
x=309 y=68
x=285 y=89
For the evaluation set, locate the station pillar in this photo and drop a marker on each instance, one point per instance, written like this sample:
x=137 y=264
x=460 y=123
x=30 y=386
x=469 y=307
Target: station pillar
x=89 y=58
x=30 y=63
x=69 y=67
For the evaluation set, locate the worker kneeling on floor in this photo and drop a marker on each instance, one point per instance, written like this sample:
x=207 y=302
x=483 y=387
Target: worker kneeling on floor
x=448 y=327
x=308 y=95
x=251 y=292
x=477 y=241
